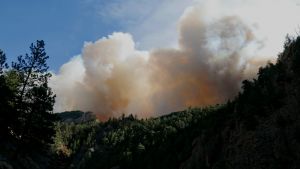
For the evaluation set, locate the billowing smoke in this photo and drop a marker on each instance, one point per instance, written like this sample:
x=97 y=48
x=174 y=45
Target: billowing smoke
x=112 y=77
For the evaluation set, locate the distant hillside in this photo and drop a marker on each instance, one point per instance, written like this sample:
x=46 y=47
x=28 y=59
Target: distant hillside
x=259 y=129
x=76 y=116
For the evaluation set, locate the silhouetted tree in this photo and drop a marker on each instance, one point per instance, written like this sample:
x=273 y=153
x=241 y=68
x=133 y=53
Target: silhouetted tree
x=5 y=95
x=35 y=100
x=3 y=63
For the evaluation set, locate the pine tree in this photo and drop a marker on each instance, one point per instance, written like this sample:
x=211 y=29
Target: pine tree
x=3 y=63
x=34 y=99
x=4 y=99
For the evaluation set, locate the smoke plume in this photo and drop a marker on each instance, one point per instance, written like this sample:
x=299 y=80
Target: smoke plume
x=112 y=77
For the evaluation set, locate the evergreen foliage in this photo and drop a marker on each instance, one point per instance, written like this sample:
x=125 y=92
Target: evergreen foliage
x=259 y=128
x=26 y=108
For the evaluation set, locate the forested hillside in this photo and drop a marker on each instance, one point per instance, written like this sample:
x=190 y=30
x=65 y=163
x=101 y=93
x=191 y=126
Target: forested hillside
x=258 y=129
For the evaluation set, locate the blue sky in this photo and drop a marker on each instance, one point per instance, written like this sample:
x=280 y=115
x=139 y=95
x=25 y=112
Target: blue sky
x=65 y=25
x=147 y=25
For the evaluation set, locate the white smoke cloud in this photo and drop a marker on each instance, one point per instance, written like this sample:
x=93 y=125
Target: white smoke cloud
x=270 y=20
x=109 y=78
x=112 y=76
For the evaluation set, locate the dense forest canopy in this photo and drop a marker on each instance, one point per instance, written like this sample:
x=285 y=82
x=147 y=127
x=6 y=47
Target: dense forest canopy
x=259 y=128
x=26 y=116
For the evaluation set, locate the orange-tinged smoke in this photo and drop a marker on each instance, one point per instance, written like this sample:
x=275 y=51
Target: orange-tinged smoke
x=112 y=77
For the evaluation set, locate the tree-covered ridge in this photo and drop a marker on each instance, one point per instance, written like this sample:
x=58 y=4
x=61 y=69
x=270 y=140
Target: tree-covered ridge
x=130 y=142
x=259 y=128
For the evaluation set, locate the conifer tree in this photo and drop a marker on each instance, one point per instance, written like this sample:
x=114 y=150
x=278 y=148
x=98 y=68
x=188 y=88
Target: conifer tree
x=34 y=98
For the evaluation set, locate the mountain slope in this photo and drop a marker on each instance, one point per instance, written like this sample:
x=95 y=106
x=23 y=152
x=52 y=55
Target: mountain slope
x=263 y=129
x=260 y=128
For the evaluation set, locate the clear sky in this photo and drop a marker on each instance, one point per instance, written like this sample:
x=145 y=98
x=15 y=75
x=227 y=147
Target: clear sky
x=65 y=25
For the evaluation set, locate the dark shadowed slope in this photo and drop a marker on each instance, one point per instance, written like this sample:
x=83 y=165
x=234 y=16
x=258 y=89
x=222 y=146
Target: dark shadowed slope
x=260 y=128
